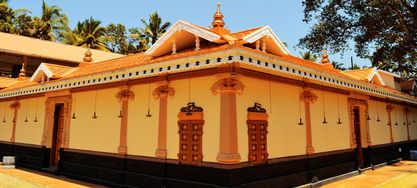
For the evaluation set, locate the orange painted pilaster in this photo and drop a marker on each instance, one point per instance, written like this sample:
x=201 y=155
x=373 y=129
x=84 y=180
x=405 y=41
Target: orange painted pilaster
x=406 y=112
x=124 y=95
x=389 y=110
x=162 y=92
x=15 y=106
x=228 y=85
x=308 y=97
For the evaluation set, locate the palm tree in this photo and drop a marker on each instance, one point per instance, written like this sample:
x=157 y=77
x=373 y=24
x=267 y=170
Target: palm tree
x=154 y=28
x=338 y=65
x=308 y=56
x=88 y=33
x=51 y=23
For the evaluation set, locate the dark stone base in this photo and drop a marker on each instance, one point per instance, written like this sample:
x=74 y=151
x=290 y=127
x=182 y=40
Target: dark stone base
x=116 y=170
x=29 y=156
x=132 y=171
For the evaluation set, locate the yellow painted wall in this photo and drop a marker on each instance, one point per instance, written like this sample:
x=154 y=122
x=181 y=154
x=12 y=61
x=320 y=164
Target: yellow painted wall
x=7 y=114
x=399 y=131
x=30 y=132
x=330 y=136
x=200 y=93
x=142 y=134
x=101 y=134
x=285 y=136
x=380 y=133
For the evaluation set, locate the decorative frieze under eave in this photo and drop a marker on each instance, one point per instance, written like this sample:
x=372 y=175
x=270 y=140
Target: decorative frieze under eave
x=246 y=59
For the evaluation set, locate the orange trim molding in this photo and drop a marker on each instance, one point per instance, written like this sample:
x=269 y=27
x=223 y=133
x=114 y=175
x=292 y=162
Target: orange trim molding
x=50 y=103
x=389 y=109
x=123 y=96
x=162 y=92
x=14 y=106
x=308 y=97
x=228 y=85
x=361 y=103
x=406 y=112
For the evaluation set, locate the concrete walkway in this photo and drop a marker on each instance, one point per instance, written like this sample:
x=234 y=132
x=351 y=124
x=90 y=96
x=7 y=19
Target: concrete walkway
x=19 y=178
x=399 y=175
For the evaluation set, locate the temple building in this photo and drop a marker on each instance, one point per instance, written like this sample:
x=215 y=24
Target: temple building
x=206 y=107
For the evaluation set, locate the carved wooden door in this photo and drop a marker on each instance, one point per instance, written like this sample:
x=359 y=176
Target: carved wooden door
x=57 y=134
x=358 y=136
x=257 y=135
x=190 y=136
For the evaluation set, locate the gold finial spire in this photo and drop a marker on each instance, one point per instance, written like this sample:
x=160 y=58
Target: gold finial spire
x=325 y=57
x=218 y=18
x=87 y=56
x=22 y=73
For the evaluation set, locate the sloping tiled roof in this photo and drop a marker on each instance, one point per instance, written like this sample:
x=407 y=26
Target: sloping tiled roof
x=16 y=44
x=58 y=70
x=407 y=85
x=6 y=82
x=20 y=84
x=360 y=74
x=62 y=72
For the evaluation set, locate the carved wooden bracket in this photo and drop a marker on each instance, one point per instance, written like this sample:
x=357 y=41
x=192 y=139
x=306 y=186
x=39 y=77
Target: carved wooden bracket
x=125 y=94
x=389 y=108
x=163 y=91
x=308 y=96
x=257 y=108
x=191 y=107
x=406 y=110
x=15 y=105
x=230 y=84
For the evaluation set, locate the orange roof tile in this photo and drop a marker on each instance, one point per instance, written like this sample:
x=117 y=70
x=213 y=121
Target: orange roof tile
x=58 y=70
x=360 y=74
x=239 y=35
x=6 y=82
x=20 y=84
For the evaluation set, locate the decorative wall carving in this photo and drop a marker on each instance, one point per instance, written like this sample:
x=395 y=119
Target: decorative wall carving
x=257 y=108
x=125 y=94
x=407 y=110
x=190 y=108
x=228 y=85
x=163 y=91
x=15 y=105
x=308 y=96
x=389 y=108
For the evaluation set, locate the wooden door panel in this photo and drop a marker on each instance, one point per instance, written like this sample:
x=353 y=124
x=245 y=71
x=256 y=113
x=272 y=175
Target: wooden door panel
x=257 y=137
x=190 y=134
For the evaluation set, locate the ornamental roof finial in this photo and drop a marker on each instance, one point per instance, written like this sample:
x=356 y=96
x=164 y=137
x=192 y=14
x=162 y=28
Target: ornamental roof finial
x=87 y=55
x=22 y=73
x=325 y=57
x=218 y=18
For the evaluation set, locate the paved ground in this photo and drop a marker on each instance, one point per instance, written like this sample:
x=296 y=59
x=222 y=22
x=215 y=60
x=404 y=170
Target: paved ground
x=17 y=178
x=400 y=175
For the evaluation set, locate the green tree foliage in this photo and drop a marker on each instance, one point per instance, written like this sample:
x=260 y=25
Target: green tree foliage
x=116 y=34
x=154 y=28
x=51 y=23
x=6 y=18
x=338 y=65
x=382 y=30
x=87 y=33
x=308 y=56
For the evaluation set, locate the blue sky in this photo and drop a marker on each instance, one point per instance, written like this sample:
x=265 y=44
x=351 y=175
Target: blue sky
x=283 y=16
